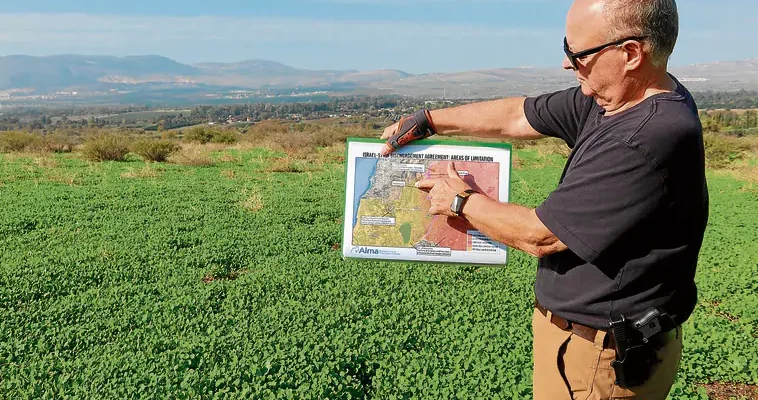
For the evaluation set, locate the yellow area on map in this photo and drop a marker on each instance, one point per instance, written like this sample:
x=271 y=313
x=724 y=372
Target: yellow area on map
x=410 y=214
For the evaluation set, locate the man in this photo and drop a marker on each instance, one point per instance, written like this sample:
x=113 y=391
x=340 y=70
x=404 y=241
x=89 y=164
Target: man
x=618 y=240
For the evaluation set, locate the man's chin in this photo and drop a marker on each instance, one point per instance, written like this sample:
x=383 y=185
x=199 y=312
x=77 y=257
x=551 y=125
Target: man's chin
x=585 y=89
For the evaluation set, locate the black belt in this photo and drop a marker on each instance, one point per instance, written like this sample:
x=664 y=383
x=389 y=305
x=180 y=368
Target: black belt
x=578 y=329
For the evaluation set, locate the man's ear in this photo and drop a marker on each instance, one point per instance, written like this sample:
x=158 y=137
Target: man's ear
x=635 y=54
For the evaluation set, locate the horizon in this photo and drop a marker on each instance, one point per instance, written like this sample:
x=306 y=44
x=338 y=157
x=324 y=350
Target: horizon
x=341 y=69
x=349 y=34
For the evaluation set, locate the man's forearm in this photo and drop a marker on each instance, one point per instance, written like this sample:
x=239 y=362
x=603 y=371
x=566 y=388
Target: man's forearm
x=513 y=225
x=502 y=118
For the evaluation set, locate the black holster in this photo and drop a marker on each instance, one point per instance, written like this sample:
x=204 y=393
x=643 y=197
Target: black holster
x=637 y=340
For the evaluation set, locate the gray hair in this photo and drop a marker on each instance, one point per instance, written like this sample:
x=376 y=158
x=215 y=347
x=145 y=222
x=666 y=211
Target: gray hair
x=656 y=19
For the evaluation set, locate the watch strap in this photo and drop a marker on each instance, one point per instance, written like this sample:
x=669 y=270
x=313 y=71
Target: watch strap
x=461 y=200
x=466 y=193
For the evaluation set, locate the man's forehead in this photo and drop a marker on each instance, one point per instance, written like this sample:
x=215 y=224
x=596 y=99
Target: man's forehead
x=585 y=21
x=595 y=6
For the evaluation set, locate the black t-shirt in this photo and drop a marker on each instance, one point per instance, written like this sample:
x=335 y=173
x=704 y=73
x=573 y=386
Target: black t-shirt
x=632 y=206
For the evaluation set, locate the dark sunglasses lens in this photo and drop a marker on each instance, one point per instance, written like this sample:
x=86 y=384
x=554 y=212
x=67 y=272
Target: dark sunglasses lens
x=569 y=55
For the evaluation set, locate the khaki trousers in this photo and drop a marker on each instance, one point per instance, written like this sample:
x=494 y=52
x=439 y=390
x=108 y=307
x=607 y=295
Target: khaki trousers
x=569 y=367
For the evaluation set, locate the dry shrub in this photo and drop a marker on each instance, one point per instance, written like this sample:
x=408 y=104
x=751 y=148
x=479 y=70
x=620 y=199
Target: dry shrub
x=106 y=147
x=154 y=150
x=224 y=136
x=15 y=141
x=199 y=134
x=545 y=147
x=251 y=200
x=204 y=134
x=295 y=145
x=169 y=135
x=145 y=172
x=267 y=128
x=299 y=140
x=216 y=146
x=60 y=142
x=192 y=155
x=722 y=150
x=329 y=137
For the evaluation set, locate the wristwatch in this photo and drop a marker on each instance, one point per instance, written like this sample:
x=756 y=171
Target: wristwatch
x=460 y=200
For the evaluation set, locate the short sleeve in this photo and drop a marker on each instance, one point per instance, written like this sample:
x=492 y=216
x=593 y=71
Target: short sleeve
x=559 y=114
x=610 y=190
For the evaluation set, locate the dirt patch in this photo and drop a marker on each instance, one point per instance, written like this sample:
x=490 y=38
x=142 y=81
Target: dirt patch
x=65 y=177
x=727 y=316
x=729 y=390
x=226 y=157
x=231 y=276
x=747 y=173
x=145 y=172
x=251 y=200
x=517 y=162
x=714 y=305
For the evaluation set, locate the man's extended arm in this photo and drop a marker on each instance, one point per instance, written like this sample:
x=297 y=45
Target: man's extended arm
x=504 y=118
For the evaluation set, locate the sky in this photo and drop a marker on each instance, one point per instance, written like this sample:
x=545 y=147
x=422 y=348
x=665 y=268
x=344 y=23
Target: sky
x=416 y=36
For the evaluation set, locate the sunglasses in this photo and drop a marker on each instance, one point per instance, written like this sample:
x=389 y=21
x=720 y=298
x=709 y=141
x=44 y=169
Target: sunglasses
x=575 y=56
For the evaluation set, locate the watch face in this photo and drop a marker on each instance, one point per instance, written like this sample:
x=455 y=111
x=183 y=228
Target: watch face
x=456 y=206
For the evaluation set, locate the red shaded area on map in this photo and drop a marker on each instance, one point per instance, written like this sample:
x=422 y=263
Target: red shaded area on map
x=451 y=232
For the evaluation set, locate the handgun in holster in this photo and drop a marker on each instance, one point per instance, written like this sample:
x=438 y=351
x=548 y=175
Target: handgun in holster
x=636 y=343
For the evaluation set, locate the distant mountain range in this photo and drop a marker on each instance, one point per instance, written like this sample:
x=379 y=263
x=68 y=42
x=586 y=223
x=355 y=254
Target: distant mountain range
x=156 y=78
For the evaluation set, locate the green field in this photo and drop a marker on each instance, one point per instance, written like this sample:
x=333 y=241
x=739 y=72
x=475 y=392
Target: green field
x=126 y=281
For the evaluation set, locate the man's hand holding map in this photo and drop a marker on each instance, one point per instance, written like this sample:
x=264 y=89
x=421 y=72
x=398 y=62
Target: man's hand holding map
x=391 y=206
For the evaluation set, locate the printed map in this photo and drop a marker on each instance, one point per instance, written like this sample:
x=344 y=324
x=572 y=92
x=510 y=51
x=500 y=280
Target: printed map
x=389 y=211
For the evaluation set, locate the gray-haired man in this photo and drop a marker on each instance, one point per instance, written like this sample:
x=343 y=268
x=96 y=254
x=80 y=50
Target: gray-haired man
x=619 y=238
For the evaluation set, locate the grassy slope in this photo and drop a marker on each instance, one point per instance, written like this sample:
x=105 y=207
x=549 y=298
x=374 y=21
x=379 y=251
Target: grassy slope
x=106 y=287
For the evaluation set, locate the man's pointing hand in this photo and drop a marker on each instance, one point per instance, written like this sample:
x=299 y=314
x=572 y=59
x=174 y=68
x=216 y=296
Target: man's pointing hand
x=442 y=191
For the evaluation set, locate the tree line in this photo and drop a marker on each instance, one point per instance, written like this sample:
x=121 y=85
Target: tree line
x=720 y=111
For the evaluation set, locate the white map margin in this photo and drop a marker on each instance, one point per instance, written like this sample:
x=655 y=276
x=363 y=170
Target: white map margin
x=501 y=155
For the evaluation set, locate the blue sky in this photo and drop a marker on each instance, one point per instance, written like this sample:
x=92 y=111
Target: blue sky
x=413 y=35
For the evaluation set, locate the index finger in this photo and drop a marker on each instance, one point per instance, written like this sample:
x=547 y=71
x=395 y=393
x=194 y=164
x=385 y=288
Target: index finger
x=386 y=149
x=426 y=183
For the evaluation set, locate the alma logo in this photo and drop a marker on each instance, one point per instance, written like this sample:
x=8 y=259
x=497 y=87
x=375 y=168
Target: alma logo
x=365 y=250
